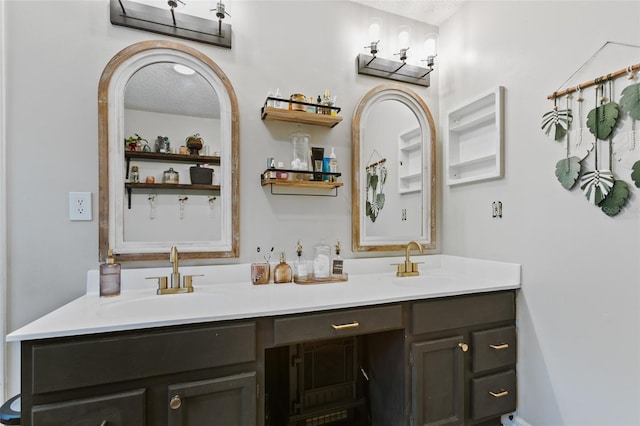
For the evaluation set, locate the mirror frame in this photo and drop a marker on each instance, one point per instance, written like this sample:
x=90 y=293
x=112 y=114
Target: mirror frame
x=111 y=88
x=412 y=100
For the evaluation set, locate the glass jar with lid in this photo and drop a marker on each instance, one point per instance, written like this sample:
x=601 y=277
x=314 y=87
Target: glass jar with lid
x=301 y=154
x=321 y=260
x=170 y=176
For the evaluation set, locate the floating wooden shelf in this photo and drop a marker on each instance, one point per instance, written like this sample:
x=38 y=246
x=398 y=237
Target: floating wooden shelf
x=173 y=158
x=167 y=186
x=306 y=184
x=302 y=117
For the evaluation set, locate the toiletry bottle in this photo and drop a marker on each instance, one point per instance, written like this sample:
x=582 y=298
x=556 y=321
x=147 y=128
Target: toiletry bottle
x=321 y=260
x=319 y=107
x=333 y=165
x=134 y=176
x=337 y=263
x=301 y=270
x=282 y=271
x=110 y=277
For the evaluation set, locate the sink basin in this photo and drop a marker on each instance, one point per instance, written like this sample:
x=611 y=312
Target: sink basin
x=423 y=280
x=182 y=304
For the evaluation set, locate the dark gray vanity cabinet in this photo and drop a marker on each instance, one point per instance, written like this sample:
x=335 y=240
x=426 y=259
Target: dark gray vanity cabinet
x=443 y=361
x=463 y=356
x=169 y=376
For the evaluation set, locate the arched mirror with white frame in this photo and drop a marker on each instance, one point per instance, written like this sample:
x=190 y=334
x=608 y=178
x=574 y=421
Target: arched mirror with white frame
x=140 y=94
x=393 y=140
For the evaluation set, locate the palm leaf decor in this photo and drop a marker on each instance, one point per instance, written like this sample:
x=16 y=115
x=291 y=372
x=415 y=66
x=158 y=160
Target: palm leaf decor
x=630 y=101
x=601 y=120
x=635 y=173
x=596 y=185
x=558 y=120
x=376 y=178
x=567 y=171
x=615 y=200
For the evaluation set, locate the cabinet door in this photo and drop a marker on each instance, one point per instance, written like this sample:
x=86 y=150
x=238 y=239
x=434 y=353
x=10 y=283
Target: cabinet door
x=438 y=382
x=226 y=401
x=122 y=409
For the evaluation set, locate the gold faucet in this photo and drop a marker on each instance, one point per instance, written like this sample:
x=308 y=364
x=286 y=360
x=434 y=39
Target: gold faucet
x=187 y=285
x=409 y=268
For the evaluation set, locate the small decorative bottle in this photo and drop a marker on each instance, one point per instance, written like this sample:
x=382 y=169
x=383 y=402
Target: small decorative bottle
x=110 y=277
x=301 y=264
x=337 y=263
x=282 y=271
x=134 y=176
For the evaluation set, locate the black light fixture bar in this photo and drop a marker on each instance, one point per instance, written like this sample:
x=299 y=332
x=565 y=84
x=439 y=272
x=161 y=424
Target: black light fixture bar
x=161 y=21
x=393 y=70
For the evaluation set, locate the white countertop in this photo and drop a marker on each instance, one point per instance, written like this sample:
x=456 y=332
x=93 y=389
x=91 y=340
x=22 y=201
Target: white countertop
x=225 y=292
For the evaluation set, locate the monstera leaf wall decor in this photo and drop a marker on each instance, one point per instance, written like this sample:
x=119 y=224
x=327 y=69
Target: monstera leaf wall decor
x=557 y=119
x=630 y=101
x=567 y=171
x=615 y=200
x=635 y=173
x=601 y=120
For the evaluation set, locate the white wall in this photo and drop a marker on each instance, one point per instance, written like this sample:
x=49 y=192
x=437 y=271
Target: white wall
x=56 y=52
x=579 y=308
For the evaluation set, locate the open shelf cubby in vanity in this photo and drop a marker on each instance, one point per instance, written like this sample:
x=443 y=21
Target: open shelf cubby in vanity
x=475 y=139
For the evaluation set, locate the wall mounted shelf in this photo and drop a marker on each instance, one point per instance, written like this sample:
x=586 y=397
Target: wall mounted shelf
x=151 y=187
x=169 y=158
x=301 y=117
x=303 y=187
x=475 y=139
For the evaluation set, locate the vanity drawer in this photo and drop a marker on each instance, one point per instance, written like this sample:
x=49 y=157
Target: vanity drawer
x=329 y=325
x=88 y=361
x=493 y=348
x=493 y=395
x=122 y=409
x=462 y=311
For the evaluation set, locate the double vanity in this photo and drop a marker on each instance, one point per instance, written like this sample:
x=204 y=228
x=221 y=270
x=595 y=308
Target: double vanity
x=438 y=348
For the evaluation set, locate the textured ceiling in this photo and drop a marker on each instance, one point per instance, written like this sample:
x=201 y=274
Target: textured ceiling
x=433 y=12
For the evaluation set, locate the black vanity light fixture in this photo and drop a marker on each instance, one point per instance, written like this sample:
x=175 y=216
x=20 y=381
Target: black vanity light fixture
x=373 y=65
x=167 y=21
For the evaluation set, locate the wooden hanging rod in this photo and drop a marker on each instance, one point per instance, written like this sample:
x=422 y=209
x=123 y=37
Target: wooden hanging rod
x=376 y=163
x=594 y=82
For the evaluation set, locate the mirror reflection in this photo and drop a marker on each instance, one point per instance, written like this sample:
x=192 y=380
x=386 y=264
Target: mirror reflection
x=164 y=104
x=393 y=170
x=168 y=147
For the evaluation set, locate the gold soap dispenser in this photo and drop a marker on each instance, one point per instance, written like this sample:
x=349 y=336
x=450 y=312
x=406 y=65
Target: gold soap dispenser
x=282 y=271
x=110 y=277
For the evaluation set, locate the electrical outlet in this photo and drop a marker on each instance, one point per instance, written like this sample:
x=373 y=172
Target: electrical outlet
x=79 y=206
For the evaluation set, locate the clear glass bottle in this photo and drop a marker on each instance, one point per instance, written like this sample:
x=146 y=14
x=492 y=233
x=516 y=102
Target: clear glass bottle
x=321 y=260
x=301 y=270
x=282 y=271
x=110 y=277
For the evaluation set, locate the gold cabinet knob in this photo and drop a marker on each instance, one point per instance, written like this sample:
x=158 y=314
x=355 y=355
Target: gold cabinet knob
x=463 y=347
x=104 y=423
x=175 y=402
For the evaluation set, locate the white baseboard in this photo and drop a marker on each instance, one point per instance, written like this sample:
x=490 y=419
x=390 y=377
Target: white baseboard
x=513 y=420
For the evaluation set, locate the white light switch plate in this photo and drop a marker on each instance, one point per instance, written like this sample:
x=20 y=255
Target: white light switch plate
x=79 y=206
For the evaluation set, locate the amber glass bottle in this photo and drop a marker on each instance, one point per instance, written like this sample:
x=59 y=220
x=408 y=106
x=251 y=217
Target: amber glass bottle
x=282 y=271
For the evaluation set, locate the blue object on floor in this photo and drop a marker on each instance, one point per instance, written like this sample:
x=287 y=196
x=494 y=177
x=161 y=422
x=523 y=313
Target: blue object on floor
x=10 y=411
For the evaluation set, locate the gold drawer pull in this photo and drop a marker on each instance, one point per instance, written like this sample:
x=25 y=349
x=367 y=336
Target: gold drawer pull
x=354 y=324
x=500 y=346
x=499 y=394
x=104 y=423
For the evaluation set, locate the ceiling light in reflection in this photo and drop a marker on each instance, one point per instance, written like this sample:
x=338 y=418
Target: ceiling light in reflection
x=184 y=70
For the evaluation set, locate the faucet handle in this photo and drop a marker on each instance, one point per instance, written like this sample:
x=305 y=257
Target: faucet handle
x=162 y=283
x=187 y=281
